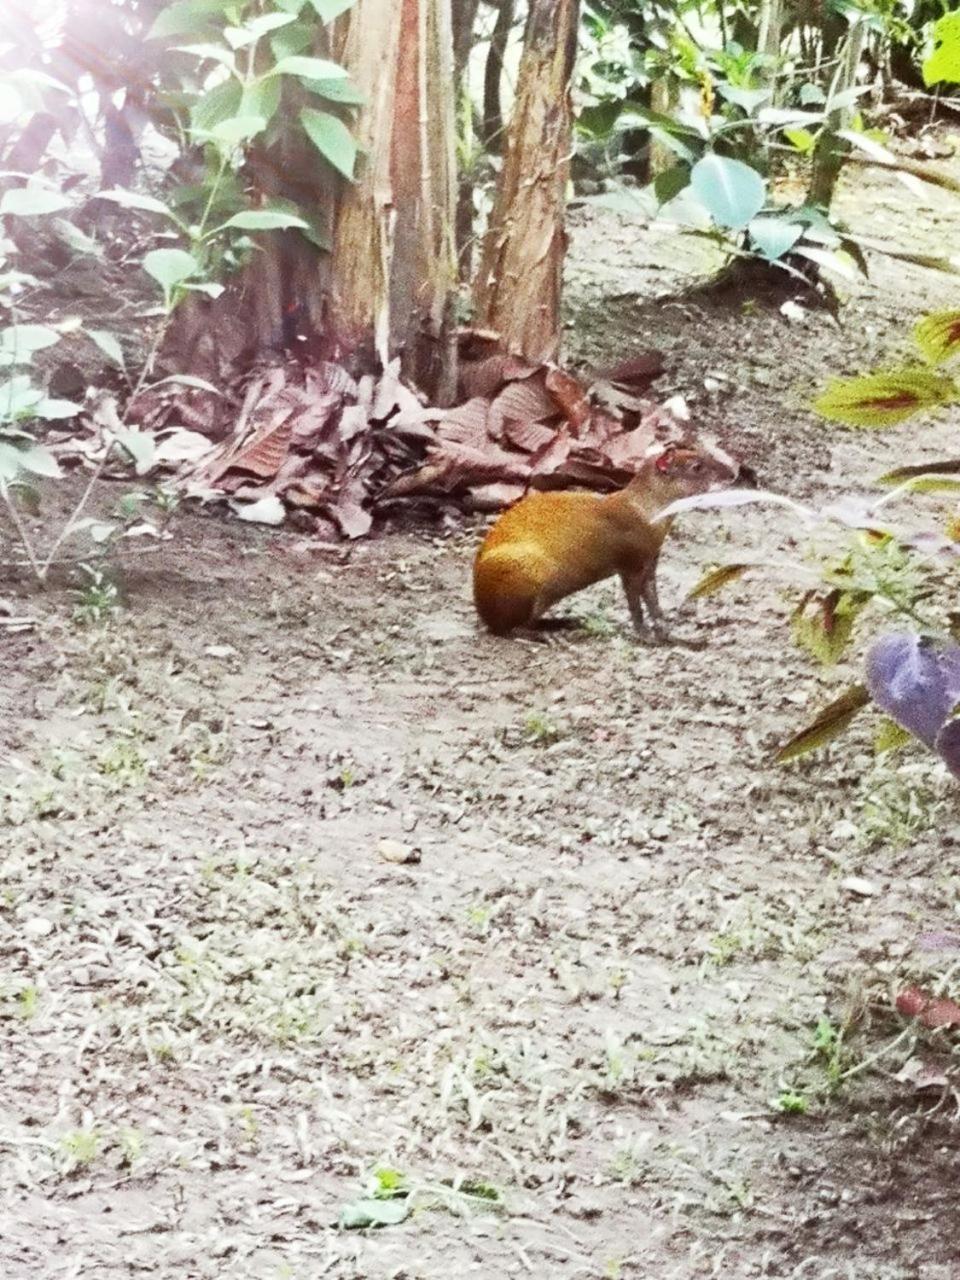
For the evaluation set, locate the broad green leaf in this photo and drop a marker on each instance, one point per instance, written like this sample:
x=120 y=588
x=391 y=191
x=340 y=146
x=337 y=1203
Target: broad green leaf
x=9 y=462
x=108 y=343
x=264 y=220
x=231 y=133
x=170 y=266
x=802 y=139
x=140 y=446
x=208 y=287
x=811 y=93
x=330 y=9
x=671 y=182
x=261 y=99
x=186 y=16
x=730 y=191
x=944 y=62
x=29 y=202
x=830 y=260
x=341 y=91
x=773 y=237
x=18 y=342
x=332 y=139
x=883 y=399
x=829 y=724
x=716 y=579
x=54 y=408
x=292 y=39
x=40 y=462
x=290 y=6
x=938 y=336
x=210 y=53
x=747 y=99
x=220 y=103
x=373 y=1213
x=309 y=68
x=267 y=22
x=238 y=37
x=18 y=397
x=134 y=200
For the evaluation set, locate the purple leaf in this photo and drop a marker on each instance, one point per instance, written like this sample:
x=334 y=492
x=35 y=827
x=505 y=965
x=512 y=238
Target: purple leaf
x=948 y=746
x=915 y=683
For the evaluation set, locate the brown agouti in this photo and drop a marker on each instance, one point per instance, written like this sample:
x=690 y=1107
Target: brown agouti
x=549 y=545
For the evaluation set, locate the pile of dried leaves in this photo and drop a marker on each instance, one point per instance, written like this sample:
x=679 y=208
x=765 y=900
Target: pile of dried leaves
x=343 y=452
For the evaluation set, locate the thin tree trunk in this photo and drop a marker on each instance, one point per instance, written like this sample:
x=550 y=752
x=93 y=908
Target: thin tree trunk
x=394 y=256
x=663 y=99
x=464 y=22
x=828 y=156
x=518 y=288
x=492 y=77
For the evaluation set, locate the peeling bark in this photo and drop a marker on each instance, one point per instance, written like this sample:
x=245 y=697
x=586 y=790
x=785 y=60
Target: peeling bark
x=519 y=284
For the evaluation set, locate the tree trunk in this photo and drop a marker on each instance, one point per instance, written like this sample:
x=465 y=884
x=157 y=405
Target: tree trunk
x=663 y=99
x=518 y=288
x=828 y=156
x=464 y=22
x=388 y=285
x=493 y=75
x=393 y=265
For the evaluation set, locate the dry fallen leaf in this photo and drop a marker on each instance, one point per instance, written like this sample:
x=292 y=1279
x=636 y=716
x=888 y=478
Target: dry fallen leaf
x=396 y=851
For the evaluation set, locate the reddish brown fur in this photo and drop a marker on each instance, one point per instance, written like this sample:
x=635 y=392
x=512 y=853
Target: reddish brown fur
x=549 y=545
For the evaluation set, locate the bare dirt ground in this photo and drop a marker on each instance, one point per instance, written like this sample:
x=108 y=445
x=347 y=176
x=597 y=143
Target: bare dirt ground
x=628 y=1016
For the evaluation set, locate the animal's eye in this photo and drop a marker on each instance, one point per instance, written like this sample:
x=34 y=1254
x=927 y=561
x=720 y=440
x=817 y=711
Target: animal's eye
x=696 y=466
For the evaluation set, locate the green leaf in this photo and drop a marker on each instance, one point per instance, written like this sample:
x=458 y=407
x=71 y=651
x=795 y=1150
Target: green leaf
x=823 y=625
x=267 y=22
x=264 y=220
x=884 y=399
x=239 y=129
x=140 y=446
x=18 y=342
x=890 y=737
x=829 y=724
x=938 y=336
x=773 y=237
x=133 y=200
x=341 y=91
x=75 y=239
x=53 y=408
x=747 y=99
x=802 y=139
x=209 y=53
x=730 y=191
x=9 y=462
x=946 y=467
x=29 y=202
x=218 y=104
x=40 y=462
x=108 y=343
x=671 y=182
x=373 y=1213
x=292 y=39
x=332 y=139
x=944 y=62
x=309 y=68
x=186 y=16
x=330 y=9
x=261 y=99
x=170 y=266
x=716 y=579
x=18 y=397
x=829 y=260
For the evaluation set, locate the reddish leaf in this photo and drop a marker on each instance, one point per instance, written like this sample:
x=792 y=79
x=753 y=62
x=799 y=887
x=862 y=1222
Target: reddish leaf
x=569 y=395
x=531 y=437
x=637 y=372
x=931 y=1011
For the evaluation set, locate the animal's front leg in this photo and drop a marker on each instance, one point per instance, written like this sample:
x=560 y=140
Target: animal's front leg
x=640 y=589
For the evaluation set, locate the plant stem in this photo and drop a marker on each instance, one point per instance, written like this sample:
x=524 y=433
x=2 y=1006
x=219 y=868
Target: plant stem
x=21 y=530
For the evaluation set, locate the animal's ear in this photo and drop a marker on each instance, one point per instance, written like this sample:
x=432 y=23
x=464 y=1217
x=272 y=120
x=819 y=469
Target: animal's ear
x=665 y=461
